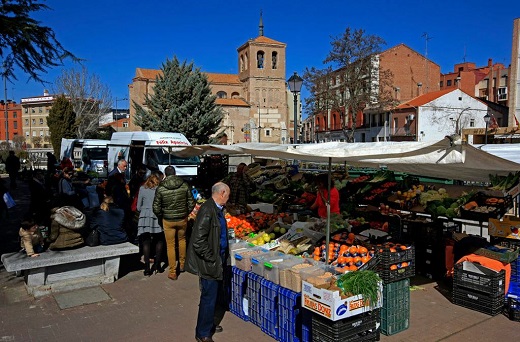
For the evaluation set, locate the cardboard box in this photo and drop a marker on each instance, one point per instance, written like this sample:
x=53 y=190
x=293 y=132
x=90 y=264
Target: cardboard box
x=502 y=228
x=329 y=304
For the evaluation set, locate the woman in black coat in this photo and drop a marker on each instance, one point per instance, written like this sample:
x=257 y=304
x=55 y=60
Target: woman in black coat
x=109 y=220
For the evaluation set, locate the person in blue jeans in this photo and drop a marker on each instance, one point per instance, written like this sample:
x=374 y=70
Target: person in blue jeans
x=207 y=256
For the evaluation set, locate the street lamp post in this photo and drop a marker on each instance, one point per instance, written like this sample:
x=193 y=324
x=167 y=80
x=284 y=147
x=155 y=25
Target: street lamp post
x=487 y=118
x=295 y=85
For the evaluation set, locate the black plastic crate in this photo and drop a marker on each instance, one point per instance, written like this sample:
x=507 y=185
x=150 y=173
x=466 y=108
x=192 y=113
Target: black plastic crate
x=343 y=328
x=362 y=327
x=394 y=255
x=478 y=301
x=372 y=264
x=490 y=282
x=395 y=312
x=391 y=275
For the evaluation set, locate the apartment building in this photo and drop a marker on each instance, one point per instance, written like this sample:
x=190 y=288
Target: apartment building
x=34 y=119
x=12 y=111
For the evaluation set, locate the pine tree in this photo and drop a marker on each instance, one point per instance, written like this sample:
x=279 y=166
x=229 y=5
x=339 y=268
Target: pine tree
x=61 y=122
x=182 y=102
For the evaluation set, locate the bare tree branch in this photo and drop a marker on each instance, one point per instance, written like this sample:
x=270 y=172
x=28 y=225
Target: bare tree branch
x=90 y=98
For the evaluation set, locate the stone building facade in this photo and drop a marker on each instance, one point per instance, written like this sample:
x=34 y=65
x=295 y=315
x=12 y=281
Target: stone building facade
x=255 y=97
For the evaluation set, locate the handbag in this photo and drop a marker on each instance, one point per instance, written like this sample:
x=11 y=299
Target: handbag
x=92 y=239
x=9 y=201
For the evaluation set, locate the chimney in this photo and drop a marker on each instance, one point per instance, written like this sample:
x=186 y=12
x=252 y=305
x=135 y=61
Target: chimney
x=490 y=62
x=45 y=92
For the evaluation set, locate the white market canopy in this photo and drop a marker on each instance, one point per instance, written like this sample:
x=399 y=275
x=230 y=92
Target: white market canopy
x=439 y=159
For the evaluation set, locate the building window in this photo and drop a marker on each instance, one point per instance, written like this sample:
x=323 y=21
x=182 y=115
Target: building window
x=235 y=95
x=26 y=122
x=15 y=124
x=41 y=133
x=40 y=110
x=267 y=132
x=274 y=57
x=33 y=133
x=448 y=83
x=41 y=121
x=502 y=94
x=472 y=123
x=27 y=110
x=32 y=110
x=27 y=134
x=260 y=59
x=395 y=125
x=241 y=63
x=15 y=115
x=222 y=95
x=34 y=121
x=125 y=124
x=47 y=110
x=441 y=84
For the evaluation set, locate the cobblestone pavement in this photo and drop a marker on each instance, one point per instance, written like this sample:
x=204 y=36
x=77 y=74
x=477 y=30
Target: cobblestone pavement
x=158 y=309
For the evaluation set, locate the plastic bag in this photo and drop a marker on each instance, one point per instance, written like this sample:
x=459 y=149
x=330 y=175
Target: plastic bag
x=9 y=201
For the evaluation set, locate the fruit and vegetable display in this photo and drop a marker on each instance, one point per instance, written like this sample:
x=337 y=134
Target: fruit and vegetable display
x=365 y=283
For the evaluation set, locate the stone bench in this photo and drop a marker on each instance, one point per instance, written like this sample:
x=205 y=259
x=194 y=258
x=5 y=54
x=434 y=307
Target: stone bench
x=57 y=271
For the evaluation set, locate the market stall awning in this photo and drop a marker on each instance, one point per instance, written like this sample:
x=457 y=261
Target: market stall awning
x=439 y=159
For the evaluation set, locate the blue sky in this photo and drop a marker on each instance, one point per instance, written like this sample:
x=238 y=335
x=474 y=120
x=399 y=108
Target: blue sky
x=117 y=36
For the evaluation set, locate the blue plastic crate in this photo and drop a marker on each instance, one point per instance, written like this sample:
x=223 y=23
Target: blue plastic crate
x=512 y=307
x=515 y=271
x=254 y=298
x=294 y=323
x=269 y=307
x=239 y=294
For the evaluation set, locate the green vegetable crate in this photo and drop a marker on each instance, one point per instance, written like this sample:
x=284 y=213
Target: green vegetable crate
x=395 y=312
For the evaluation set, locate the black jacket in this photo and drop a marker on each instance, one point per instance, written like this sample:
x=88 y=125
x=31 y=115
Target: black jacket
x=109 y=224
x=203 y=255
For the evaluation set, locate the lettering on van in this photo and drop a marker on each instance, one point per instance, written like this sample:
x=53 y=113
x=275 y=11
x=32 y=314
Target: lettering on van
x=171 y=142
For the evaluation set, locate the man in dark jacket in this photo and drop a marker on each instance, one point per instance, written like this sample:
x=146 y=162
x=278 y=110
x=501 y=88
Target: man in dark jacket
x=12 y=166
x=172 y=204
x=207 y=258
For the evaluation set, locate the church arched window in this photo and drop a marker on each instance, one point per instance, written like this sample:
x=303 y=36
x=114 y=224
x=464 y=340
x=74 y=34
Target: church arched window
x=260 y=59
x=274 y=58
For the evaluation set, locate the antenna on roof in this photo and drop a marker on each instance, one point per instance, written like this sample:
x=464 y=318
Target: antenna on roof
x=427 y=38
x=261 y=26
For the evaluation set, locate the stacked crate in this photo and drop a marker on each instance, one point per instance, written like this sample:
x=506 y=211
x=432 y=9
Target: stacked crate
x=395 y=312
x=294 y=323
x=362 y=327
x=481 y=290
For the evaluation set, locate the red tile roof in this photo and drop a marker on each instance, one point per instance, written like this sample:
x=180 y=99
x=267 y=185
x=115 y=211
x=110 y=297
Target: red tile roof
x=151 y=74
x=265 y=40
x=424 y=99
x=147 y=73
x=223 y=78
x=232 y=102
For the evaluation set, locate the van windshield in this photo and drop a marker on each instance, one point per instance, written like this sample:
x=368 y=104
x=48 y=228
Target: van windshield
x=158 y=156
x=96 y=153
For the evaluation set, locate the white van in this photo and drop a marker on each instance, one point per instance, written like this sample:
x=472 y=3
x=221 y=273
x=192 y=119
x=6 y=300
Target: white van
x=153 y=150
x=88 y=155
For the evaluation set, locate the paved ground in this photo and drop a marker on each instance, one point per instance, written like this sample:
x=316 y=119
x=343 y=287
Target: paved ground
x=158 y=309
